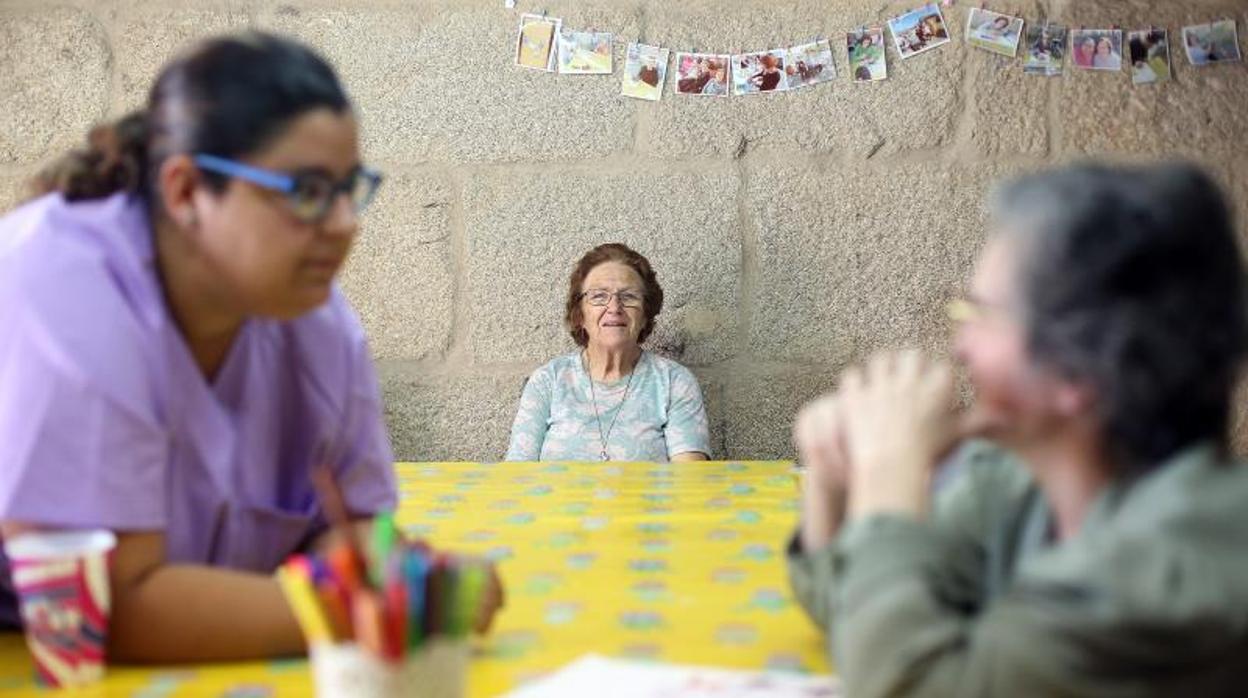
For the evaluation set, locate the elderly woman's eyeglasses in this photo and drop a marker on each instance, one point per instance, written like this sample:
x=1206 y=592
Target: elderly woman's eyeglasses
x=963 y=310
x=601 y=297
x=311 y=194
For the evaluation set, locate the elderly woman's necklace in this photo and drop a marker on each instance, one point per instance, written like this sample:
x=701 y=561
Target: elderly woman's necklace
x=604 y=438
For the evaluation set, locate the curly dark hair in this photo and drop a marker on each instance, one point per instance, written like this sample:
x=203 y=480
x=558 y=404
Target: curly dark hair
x=1131 y=281
x=612 y=252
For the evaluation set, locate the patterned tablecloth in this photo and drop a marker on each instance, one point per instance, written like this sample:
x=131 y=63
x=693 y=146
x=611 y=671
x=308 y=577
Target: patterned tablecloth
x=673 y=562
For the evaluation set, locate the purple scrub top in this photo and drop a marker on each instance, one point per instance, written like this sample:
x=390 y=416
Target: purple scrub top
x=106 y=420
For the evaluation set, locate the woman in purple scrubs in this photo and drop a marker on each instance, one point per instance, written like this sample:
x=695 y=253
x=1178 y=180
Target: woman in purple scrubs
x=176 y=356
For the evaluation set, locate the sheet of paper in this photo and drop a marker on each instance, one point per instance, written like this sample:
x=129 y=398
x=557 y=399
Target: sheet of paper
x=603 y=677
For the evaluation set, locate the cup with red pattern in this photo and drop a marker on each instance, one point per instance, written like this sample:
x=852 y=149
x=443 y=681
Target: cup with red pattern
x=61 y=579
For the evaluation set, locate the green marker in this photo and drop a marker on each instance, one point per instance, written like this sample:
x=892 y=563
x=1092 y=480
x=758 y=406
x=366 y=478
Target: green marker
x=384 y=536
x=468 y=597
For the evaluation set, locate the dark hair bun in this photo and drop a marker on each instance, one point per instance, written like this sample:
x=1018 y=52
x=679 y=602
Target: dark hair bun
x=112 y=161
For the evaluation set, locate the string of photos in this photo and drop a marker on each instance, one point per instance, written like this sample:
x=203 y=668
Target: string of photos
x=543 y=43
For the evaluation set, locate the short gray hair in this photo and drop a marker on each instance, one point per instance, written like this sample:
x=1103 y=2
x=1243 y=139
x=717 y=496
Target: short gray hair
x=1130 y=280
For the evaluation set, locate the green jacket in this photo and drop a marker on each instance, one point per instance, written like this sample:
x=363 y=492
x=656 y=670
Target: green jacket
x=1149 y=599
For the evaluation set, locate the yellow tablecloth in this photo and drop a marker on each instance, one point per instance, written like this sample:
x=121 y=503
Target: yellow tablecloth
x=674 y=562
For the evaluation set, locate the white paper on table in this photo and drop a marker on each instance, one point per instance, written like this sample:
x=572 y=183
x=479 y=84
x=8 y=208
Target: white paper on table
x=603 y=677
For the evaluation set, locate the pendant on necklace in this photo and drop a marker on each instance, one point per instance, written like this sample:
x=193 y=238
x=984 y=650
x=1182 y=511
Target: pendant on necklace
x=602 y=455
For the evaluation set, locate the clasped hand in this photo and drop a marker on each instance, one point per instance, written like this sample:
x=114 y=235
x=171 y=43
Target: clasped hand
x=872 y=444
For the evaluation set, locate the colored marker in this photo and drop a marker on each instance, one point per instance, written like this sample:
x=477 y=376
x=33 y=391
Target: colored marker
x=336 y=607
x=335 y=507
x=395 y=592
x=416 y=575
x=366 y=612
x=303 y=601
x=344 y=568
x=468 y=597
x=384 y=536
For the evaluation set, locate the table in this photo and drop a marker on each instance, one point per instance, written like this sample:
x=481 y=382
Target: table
x=674 y=562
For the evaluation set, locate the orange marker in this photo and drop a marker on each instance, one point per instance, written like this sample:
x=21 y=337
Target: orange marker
x=345 y=569
x=336 y=610
x=335 y=507
x=366 y=611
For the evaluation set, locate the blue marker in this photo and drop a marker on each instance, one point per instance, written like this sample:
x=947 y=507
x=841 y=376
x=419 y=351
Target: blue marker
x=416 y=575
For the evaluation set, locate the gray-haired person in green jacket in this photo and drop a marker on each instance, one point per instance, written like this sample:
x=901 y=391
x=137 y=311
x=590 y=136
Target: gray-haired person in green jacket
x=1091 y=538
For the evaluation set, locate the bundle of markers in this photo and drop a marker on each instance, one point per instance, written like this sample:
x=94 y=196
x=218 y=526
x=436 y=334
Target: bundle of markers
x=389 y=600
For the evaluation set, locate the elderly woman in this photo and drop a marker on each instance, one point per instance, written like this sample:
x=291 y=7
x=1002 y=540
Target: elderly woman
x=610 y=399
x=1095 y=541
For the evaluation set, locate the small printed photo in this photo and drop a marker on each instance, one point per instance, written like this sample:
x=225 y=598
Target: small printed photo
x=919 y=30
x=1046 y=48
x=702 y=74
x=994 y=32
x=645 y=69
x=584 y=53
x=535 y=42
x=866 y=54
x=1097 y=49
x=753 y=73
x=1149 y=50
x=1211 y=43
x=1225 y=41
x=809 y=64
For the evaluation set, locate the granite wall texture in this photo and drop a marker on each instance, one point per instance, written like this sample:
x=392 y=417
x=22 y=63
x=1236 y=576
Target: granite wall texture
x=793 y=233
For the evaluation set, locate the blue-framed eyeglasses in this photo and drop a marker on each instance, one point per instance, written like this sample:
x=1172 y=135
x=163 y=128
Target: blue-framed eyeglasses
x=311 y=194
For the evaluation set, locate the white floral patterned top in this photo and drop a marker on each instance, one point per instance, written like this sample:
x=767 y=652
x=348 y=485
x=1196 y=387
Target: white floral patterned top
x=661 y=415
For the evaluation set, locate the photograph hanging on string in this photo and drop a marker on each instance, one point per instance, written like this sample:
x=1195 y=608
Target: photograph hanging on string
x=753 y=73
x=1149 y=50
x=1046 y=49
x=645 y=69
x=1097 y=49
x=865 y=47
x=702 y=74
x=535 y=42
x=1216 y=42
x=809 y=64
x=994 y=32
x=919 y=31
x=584 y=53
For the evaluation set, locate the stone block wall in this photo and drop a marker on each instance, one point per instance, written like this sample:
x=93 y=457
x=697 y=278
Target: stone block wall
x=793 y=233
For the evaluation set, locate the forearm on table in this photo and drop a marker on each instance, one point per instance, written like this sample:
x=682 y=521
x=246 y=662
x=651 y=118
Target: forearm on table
x=689 y=457
x=183 y=613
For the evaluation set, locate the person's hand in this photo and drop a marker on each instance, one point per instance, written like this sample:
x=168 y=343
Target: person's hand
x=494 y=600
x=818 y=436
x=899 y=420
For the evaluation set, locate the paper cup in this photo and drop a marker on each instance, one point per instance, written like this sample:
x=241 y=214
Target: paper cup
x=62 y=585
x=345 y=670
